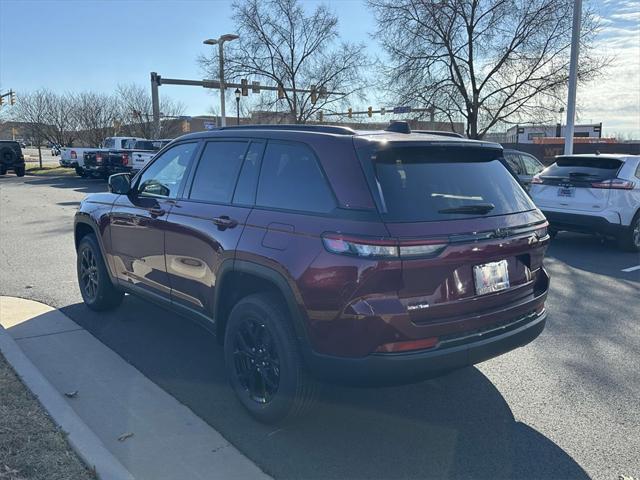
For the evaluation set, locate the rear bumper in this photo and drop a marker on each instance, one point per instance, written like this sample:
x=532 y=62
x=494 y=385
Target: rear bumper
x=575 y=222
x=390 y=369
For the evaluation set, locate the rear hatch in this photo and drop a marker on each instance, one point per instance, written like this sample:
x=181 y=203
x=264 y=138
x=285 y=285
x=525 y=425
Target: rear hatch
x=576 y=183
x=471 y=240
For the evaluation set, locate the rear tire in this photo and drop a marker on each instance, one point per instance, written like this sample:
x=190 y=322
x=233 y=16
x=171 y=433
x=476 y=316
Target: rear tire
x=80 y=172
x=263 y=361
x=95 y=284
x=19 y=171
x=553 y=233
x=3 y=171
x=629 y=240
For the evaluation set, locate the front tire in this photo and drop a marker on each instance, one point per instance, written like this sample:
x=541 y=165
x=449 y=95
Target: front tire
x=80 y=172
x=95 y=285
x=629 y=240
x=263 y=361
x=19 y=171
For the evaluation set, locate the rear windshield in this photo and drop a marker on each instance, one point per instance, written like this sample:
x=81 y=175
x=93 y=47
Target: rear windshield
x=417 y=184
x=592 y=167
x=144 y=145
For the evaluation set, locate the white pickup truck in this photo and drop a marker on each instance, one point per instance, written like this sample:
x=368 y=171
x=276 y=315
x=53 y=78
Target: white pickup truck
x=73 y=157
x=141 y=158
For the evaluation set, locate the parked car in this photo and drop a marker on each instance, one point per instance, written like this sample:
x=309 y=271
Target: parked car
x=11 y=158
x=524 y=165
x=97 y=162
x=316 y=252
x=145 y=151
x=592 y=193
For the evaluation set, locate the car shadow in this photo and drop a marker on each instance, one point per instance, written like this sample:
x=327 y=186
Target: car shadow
x=83 y=185
x=456 y=426
x=593 y=254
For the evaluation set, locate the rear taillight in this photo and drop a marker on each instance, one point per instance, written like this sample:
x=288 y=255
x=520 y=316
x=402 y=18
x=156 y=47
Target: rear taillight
x=74 y=155
x=125 y=159
x=361 y=247
x=615 y=184
x=388 y=248
x=98 y=158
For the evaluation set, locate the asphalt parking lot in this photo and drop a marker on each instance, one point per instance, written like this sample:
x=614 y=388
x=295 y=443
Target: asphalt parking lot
x=565 y=406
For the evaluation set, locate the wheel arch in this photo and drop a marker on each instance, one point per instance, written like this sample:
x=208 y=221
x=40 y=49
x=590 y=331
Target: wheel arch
x=84 y=227
x=239 y=278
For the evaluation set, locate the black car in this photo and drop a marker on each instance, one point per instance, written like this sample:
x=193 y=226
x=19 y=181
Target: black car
x=11 y=158
x=523 y=164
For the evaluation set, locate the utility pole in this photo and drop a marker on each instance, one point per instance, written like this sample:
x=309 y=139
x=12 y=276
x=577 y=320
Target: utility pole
x=155 y=103
x=573 y=77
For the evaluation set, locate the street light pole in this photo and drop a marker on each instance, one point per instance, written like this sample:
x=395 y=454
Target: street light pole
x=220 y=42
x=238 y=93
x=573 y=77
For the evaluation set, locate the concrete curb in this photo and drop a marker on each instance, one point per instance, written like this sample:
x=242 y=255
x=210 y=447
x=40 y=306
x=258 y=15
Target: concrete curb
x=81 y=438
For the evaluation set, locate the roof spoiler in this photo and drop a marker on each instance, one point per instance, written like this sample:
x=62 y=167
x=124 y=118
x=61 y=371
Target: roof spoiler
x=398 y=126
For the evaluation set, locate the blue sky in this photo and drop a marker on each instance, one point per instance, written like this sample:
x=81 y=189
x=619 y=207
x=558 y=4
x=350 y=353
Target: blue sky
x=96 y=44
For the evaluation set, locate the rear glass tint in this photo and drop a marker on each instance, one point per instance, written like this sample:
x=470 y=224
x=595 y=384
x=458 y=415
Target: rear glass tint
x=597 y=167
x=419 y=184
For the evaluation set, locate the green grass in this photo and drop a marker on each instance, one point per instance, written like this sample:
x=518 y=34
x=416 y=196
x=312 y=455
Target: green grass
x=52 y=170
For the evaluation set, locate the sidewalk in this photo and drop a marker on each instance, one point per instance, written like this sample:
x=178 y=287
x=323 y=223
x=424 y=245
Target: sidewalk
x=148 y=431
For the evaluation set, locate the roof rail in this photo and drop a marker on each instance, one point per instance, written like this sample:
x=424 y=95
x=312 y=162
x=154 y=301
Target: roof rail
x=398 y=126
x=442 y=133
x=303 y=128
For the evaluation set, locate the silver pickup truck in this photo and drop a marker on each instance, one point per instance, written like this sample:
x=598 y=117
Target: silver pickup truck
x=145 y=152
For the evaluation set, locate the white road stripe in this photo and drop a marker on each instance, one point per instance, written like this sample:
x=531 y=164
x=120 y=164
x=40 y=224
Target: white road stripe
x=631 y=269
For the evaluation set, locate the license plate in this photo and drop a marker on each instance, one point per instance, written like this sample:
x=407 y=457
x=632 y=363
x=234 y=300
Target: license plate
x=566 y=191
x=491 y=277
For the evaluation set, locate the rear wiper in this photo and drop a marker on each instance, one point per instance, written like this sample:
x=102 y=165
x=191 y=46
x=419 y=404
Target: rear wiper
x=477 y=208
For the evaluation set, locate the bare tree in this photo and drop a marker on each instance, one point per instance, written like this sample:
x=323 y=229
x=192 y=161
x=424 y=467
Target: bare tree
x=281 y=45
x=97 y=115
x=137 y=114
x=488 y=61
x=60 y=125
x=32 y=109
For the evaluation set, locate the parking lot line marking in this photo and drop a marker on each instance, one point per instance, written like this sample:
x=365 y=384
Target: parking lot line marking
x=631 y=269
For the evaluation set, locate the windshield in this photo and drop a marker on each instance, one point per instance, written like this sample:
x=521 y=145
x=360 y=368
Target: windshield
x=418 y=184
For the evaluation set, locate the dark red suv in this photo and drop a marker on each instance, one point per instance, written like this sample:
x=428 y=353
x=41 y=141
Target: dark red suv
x=321 y=253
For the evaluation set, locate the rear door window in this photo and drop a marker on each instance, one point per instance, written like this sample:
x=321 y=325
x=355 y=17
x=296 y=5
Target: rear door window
x=419 y=184
x=531 y=165
x=290 y=178
x=513 y=159
x=217 y=172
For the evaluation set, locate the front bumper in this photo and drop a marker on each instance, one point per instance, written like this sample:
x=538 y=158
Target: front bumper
x=575 y=222
x=68 y=163
x=399 y=368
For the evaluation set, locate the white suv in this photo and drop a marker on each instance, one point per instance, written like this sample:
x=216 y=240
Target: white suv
x=592 y=193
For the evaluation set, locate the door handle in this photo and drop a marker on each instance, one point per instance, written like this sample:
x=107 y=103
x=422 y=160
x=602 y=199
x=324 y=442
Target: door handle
x=224 y=222
x=157 y=211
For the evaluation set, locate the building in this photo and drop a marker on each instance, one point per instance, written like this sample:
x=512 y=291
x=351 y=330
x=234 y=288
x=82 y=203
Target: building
x=531 y=133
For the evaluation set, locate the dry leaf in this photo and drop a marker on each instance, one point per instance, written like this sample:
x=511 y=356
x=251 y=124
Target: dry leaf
x=124 y=436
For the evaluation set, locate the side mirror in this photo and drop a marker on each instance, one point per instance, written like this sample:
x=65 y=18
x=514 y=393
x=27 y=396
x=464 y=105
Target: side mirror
x=120 y=183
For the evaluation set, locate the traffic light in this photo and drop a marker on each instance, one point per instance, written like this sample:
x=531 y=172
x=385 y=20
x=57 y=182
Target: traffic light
x=350 y=112
x=280 y=92
x=370 y=111
x=12 y=97
x=323 y=92
x=383 y=110
x=314 y=95
x=320 y=116
x=1 y=100
x=244 y=87
x=186 y=127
